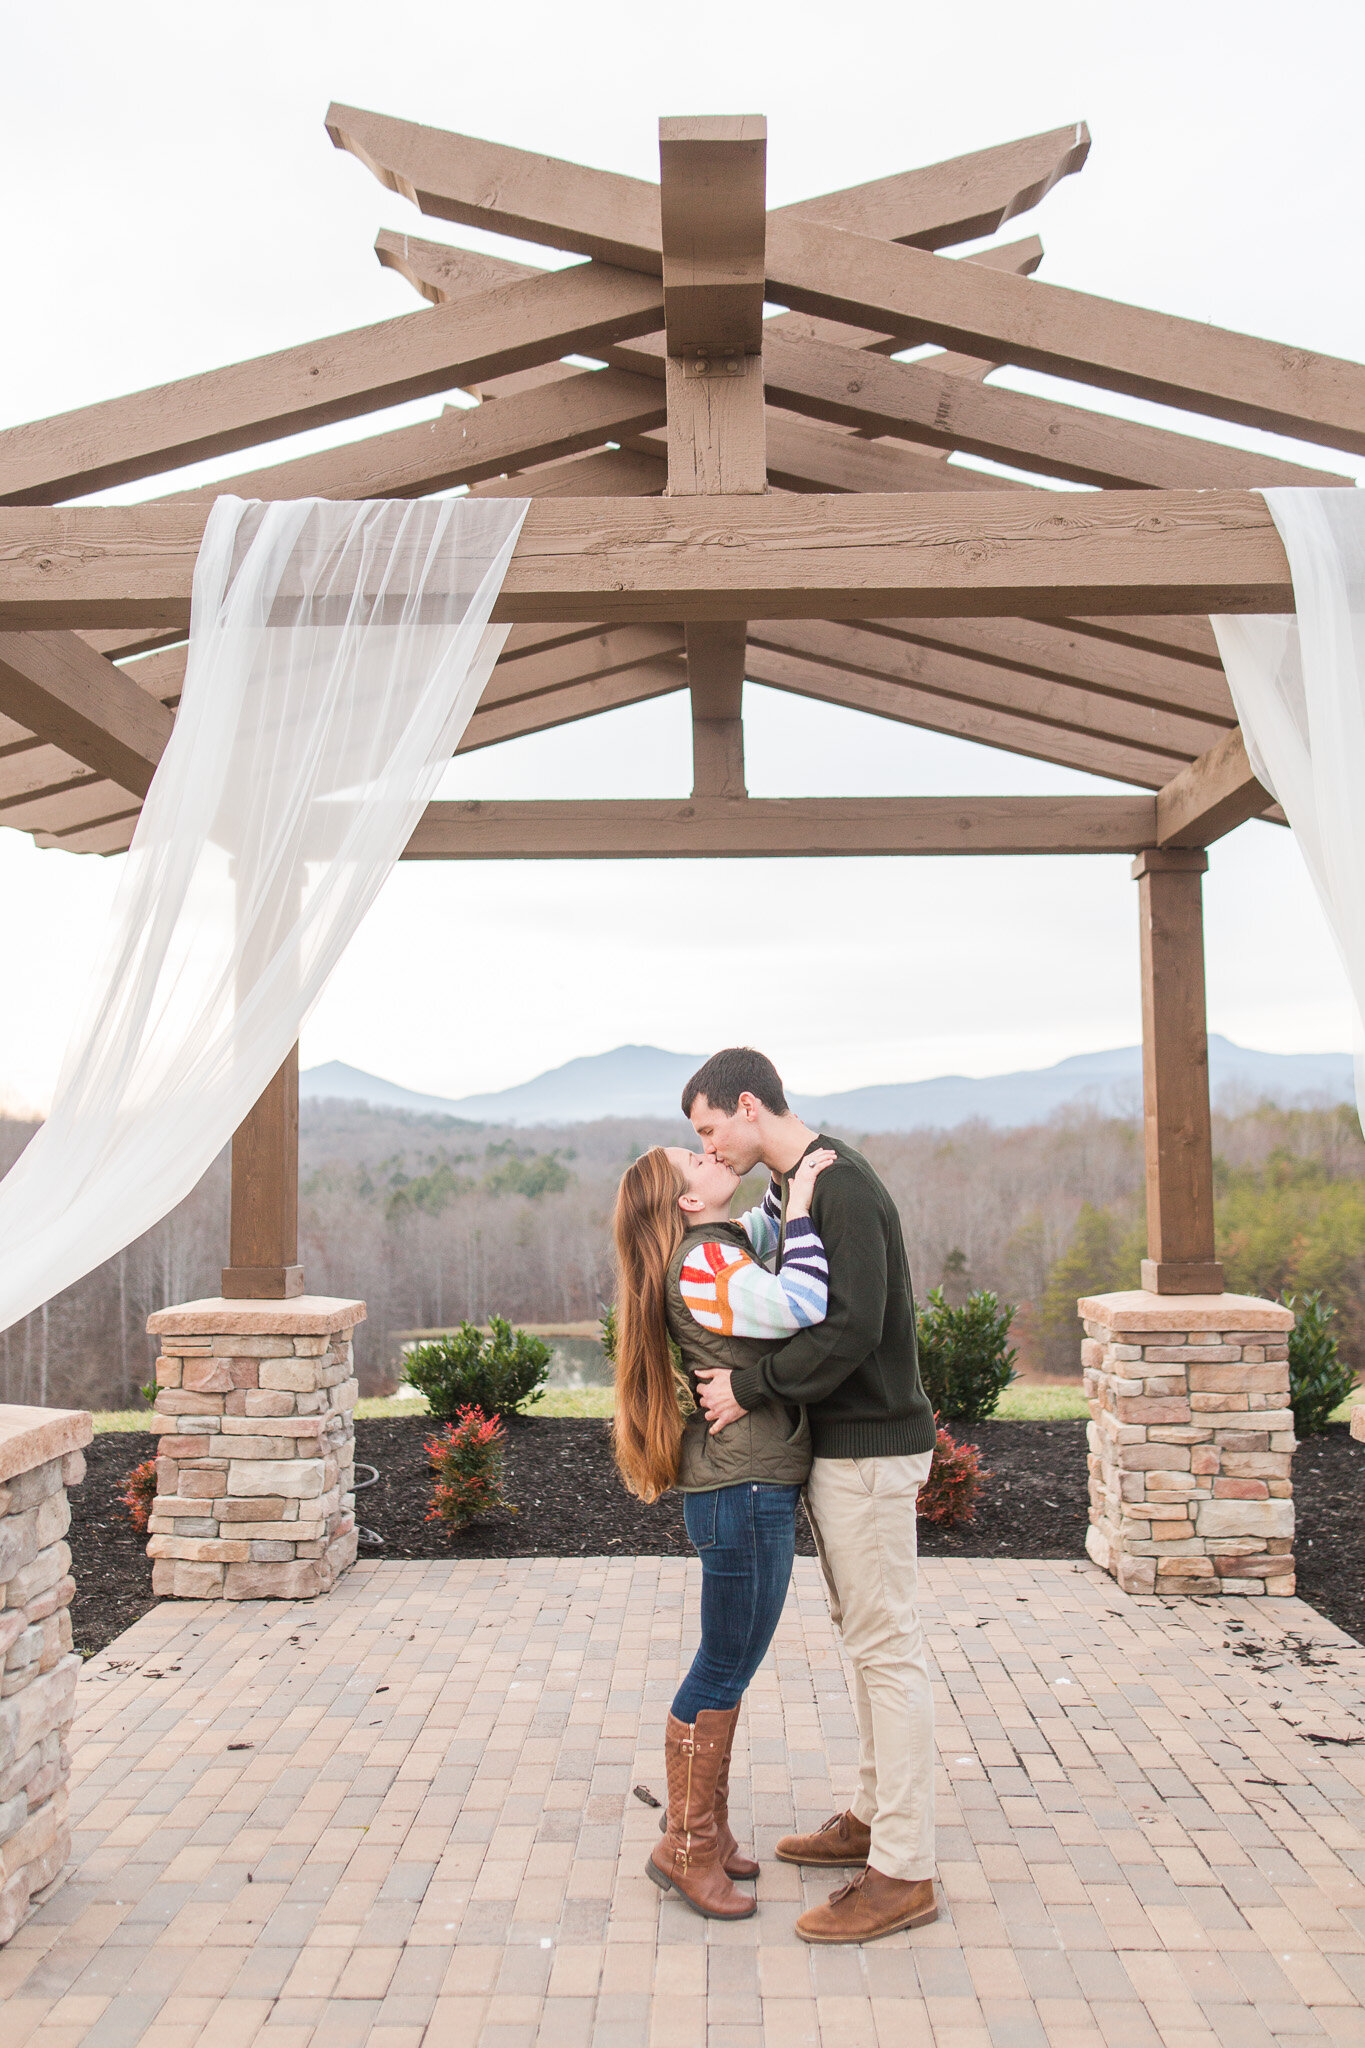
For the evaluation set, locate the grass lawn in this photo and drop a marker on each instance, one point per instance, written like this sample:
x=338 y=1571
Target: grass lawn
x=1020 y=1404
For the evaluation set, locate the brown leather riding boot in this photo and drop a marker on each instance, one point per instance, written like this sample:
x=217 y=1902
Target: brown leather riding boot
x=837 y=1844
x=869 y=1906
x=732 y=1860
x=687 y=1860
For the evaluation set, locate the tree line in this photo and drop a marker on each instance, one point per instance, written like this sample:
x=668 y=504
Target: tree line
x=432 y=1221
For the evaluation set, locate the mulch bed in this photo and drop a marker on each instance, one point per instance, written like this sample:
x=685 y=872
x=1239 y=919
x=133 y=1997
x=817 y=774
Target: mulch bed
x=571 y=1504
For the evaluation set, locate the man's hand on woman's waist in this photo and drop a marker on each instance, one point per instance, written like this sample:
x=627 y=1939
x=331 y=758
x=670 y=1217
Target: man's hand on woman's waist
x=718 y=1403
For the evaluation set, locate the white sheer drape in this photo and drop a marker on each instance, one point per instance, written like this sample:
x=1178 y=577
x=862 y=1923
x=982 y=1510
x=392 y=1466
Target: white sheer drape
x=1298 y=683
x=336 y=654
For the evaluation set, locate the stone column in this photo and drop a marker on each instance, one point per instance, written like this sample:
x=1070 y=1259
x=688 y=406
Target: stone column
x=40 y=1456
x=1191 y=1437
x=255 y=1464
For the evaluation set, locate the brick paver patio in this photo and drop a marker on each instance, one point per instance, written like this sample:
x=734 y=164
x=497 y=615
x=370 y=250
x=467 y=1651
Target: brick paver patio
x=404 y=1814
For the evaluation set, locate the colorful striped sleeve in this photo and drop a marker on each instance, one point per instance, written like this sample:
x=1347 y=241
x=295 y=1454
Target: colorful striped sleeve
x=731 y=1293
x=762 y=1225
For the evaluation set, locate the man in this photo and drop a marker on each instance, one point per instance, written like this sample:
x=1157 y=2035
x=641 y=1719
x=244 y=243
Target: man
x=872 y=1428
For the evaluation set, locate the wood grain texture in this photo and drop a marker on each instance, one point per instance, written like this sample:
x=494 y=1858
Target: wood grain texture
x=1055 y=648
x=715 y=681
x=587 y=212
x=413 y=356
x=513 y=718
x=959 y=673
x=712 y=214
x=264 y=1231
x=729 y=828
x=465 y=445
x=1036 y=326
x=858 y=388
x=1177 y=1127
x=716 y=441
x=933 y=710
x=616 y=561
x=76 y=700
x=1211 y=797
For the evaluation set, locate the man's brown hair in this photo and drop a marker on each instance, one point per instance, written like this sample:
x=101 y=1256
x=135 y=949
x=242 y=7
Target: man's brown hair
x=739 y=1070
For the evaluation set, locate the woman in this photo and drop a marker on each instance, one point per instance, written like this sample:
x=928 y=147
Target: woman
x=686 y=1272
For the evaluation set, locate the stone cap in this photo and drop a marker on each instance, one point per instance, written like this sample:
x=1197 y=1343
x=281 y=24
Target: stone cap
x=305 y=1315
x=34 y=1436
x=1136 y=1309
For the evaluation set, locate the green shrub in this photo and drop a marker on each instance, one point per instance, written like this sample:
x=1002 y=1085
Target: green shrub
x=498 y=1373
x=467 y=1462
x=966 y=1360
x=948 y=1495
x=1319 y=1381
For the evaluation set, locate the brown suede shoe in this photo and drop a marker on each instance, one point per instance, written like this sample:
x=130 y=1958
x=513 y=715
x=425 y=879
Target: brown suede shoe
x=869 y=1906
x=839 y=1843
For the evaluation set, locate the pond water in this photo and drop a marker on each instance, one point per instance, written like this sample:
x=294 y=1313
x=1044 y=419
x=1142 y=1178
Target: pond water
x=578 y=1362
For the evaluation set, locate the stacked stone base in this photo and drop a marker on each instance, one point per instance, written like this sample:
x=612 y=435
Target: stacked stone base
x=40 y=1456
x=1191 y=1440
x=255 y=1408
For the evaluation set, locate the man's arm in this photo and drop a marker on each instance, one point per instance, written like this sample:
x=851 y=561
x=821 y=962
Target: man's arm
x=811 y=1364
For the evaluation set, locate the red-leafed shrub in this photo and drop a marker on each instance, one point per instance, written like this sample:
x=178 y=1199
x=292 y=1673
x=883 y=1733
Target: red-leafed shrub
x=467 y=1460
x=948 y=1495
x=138 y=1495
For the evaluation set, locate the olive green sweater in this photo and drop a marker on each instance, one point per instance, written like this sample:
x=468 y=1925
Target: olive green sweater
x=857 y=1372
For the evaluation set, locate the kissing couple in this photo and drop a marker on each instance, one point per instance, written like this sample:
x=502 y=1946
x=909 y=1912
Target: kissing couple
x=794 y=1325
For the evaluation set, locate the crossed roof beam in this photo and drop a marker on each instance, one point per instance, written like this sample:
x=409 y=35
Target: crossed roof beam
x=1135 y=697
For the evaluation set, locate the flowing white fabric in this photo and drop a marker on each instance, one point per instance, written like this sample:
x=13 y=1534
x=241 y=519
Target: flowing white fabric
x=336 y=654
x=1298 y=683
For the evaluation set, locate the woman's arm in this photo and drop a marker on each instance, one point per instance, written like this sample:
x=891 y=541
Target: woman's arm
x=730 y=1292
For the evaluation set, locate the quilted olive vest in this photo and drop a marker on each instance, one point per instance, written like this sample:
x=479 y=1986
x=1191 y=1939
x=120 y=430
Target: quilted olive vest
x=770 y=1445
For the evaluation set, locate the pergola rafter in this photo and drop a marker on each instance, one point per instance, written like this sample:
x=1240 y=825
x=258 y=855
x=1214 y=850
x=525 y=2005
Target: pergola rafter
x=727 y=497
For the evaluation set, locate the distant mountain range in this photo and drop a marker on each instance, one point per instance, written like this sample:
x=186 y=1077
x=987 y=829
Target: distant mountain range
x=643 y=1081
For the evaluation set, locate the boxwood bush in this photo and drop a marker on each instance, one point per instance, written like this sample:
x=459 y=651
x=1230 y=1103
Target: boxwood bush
x=498 y=1371
x=966 y=1360
x=1319 y=1380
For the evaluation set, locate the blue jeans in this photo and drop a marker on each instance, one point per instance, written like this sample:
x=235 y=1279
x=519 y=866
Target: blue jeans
x=746 y=1539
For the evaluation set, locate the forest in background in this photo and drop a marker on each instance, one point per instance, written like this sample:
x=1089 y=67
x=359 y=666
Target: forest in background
x=431 y=1220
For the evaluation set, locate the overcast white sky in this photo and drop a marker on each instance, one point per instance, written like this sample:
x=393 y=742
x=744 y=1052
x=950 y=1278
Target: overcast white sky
x=172 y=203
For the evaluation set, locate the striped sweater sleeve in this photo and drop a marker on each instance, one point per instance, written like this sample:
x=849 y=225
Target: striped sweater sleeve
x=763 y=1225
x=730 y=1292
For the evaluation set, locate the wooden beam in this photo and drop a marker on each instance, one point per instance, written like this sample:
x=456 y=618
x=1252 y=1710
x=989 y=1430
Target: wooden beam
x=712 y=210
x=732 y=558
x=516 y=717
x=616 y=219
x=1177 y=1128
x=264 y=1255
x=825 y=269
x=1155 y=356
x=1054 y=648
x=531 y=674
x=858 y=388
x=75 y=699
x=1212 y=796
x=413 y=356
x=957 y=201
x=1051 y=700
x=934 y=711
x=464 y=445
x=712 y=215
x=736 y=828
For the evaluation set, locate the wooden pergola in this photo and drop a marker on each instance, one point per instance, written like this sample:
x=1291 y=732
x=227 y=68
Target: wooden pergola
x=730 y=497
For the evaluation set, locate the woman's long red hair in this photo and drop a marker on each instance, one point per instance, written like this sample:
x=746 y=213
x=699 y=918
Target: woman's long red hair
x=648 y=1225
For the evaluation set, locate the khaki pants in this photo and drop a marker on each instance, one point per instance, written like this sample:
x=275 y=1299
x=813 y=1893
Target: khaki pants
x=863 y=1513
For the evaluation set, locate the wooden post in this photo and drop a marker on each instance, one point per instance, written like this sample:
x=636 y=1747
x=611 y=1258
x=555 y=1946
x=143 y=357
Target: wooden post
x=712 y=235
x=1175 y=1074
x=264 y=1250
